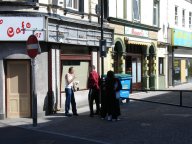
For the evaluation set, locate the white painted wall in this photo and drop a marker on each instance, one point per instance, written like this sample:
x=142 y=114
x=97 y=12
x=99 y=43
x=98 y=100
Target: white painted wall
x=163 y=21
x=147 y=12
x=182 y=4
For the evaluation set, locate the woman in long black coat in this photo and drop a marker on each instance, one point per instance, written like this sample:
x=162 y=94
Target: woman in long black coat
x=112 y=86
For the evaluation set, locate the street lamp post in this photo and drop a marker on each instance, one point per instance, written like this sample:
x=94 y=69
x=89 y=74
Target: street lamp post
x=102 y=55
x=102 y=49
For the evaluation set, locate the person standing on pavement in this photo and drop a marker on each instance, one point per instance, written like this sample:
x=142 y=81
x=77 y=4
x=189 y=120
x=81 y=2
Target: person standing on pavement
x=113 y=85
x=70 y=98
x=94 y=91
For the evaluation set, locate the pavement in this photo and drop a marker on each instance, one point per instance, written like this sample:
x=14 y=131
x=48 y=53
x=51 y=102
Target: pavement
x=141 y=123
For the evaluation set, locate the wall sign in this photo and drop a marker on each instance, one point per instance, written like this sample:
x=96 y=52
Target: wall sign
x=181 y=38
x=20 y=28
x=77 y=36
x=136 y=32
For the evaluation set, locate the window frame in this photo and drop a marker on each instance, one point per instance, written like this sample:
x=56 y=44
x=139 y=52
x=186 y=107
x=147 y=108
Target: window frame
x=190 y=20
x=72 y=7
x=176 y=15
x=183 y=17
x=157 y=12
x=139 y=11
x=161 y=72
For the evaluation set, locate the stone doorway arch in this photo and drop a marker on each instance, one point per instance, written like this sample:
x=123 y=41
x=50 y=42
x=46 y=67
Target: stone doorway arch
x=118 y=51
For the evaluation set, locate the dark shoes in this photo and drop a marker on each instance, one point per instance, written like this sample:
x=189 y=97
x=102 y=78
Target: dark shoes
x=75 y=114
x=97 y=113
x=68 y=114
x=91 y=115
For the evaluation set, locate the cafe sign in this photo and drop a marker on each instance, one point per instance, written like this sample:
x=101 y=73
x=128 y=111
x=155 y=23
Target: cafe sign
x=136 y=32
x=20 y=28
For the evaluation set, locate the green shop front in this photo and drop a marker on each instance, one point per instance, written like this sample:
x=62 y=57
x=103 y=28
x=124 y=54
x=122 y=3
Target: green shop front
x=180 y=57
x=135 y=54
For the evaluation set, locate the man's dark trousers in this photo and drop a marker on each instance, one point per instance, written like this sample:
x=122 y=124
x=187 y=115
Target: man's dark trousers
x=94 y=95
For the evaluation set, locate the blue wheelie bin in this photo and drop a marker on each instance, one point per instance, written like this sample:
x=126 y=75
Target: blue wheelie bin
x=125 y=80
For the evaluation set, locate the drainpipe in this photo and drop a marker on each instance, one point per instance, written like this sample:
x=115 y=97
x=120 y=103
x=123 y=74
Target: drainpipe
x=56 y=87
x=90 y=17
x=173 y=70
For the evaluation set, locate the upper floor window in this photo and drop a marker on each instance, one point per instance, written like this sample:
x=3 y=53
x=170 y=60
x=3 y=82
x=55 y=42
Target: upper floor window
x=72 y=4
x=176 y=15
x=155 y=13
x=116 y=8
x=183 y=17
x=136 y=10
x=190 y=18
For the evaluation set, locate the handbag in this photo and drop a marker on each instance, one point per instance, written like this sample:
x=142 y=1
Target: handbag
x=117 y=93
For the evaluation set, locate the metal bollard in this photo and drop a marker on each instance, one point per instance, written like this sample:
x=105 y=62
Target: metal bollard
x=181 y=100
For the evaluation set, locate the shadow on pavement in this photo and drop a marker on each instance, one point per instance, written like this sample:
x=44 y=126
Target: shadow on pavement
x=141 y=123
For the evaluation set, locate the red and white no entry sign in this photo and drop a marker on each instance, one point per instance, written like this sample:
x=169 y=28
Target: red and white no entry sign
x=32 y=46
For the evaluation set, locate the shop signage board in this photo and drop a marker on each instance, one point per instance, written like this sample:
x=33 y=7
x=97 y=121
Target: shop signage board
x=20 y=28
x=136 y=32
x=77 y=36
x=181 y=38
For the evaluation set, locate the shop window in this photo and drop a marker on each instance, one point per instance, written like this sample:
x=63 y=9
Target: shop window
x=161 y=66
x=176 y=15
x=72 y=4
x=136 y=70
x=120 y=8
x=136 y=10
x=155 y=13
x=177 y=71
x=183 y=18
x=190 y=18
x=81 y=71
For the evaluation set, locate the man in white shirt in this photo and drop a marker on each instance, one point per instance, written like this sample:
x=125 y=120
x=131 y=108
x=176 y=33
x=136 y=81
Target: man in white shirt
x=70 y=98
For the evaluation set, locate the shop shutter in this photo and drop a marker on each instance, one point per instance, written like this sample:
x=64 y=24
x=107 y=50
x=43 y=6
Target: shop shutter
x=106 y=9
x=81 y=6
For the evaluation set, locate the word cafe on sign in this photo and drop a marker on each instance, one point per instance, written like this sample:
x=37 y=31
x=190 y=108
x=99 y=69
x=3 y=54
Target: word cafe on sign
x=21 y=28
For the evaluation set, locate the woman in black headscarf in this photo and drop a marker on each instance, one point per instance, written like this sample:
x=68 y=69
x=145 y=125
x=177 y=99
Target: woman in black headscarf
x=112 y=86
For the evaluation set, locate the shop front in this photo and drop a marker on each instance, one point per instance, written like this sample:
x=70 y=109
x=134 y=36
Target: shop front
x=78 y=47
x=135 y=54
x=181 y=52
x=15 y=66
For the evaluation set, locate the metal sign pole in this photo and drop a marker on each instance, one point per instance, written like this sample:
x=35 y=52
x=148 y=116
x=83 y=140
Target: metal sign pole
x=102 y=56
x=34 y=94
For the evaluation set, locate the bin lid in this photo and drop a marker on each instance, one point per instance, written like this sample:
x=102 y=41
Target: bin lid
x=121 y=76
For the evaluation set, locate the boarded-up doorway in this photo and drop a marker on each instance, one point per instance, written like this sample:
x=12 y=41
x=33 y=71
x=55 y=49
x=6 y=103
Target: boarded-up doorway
x=18 y=89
